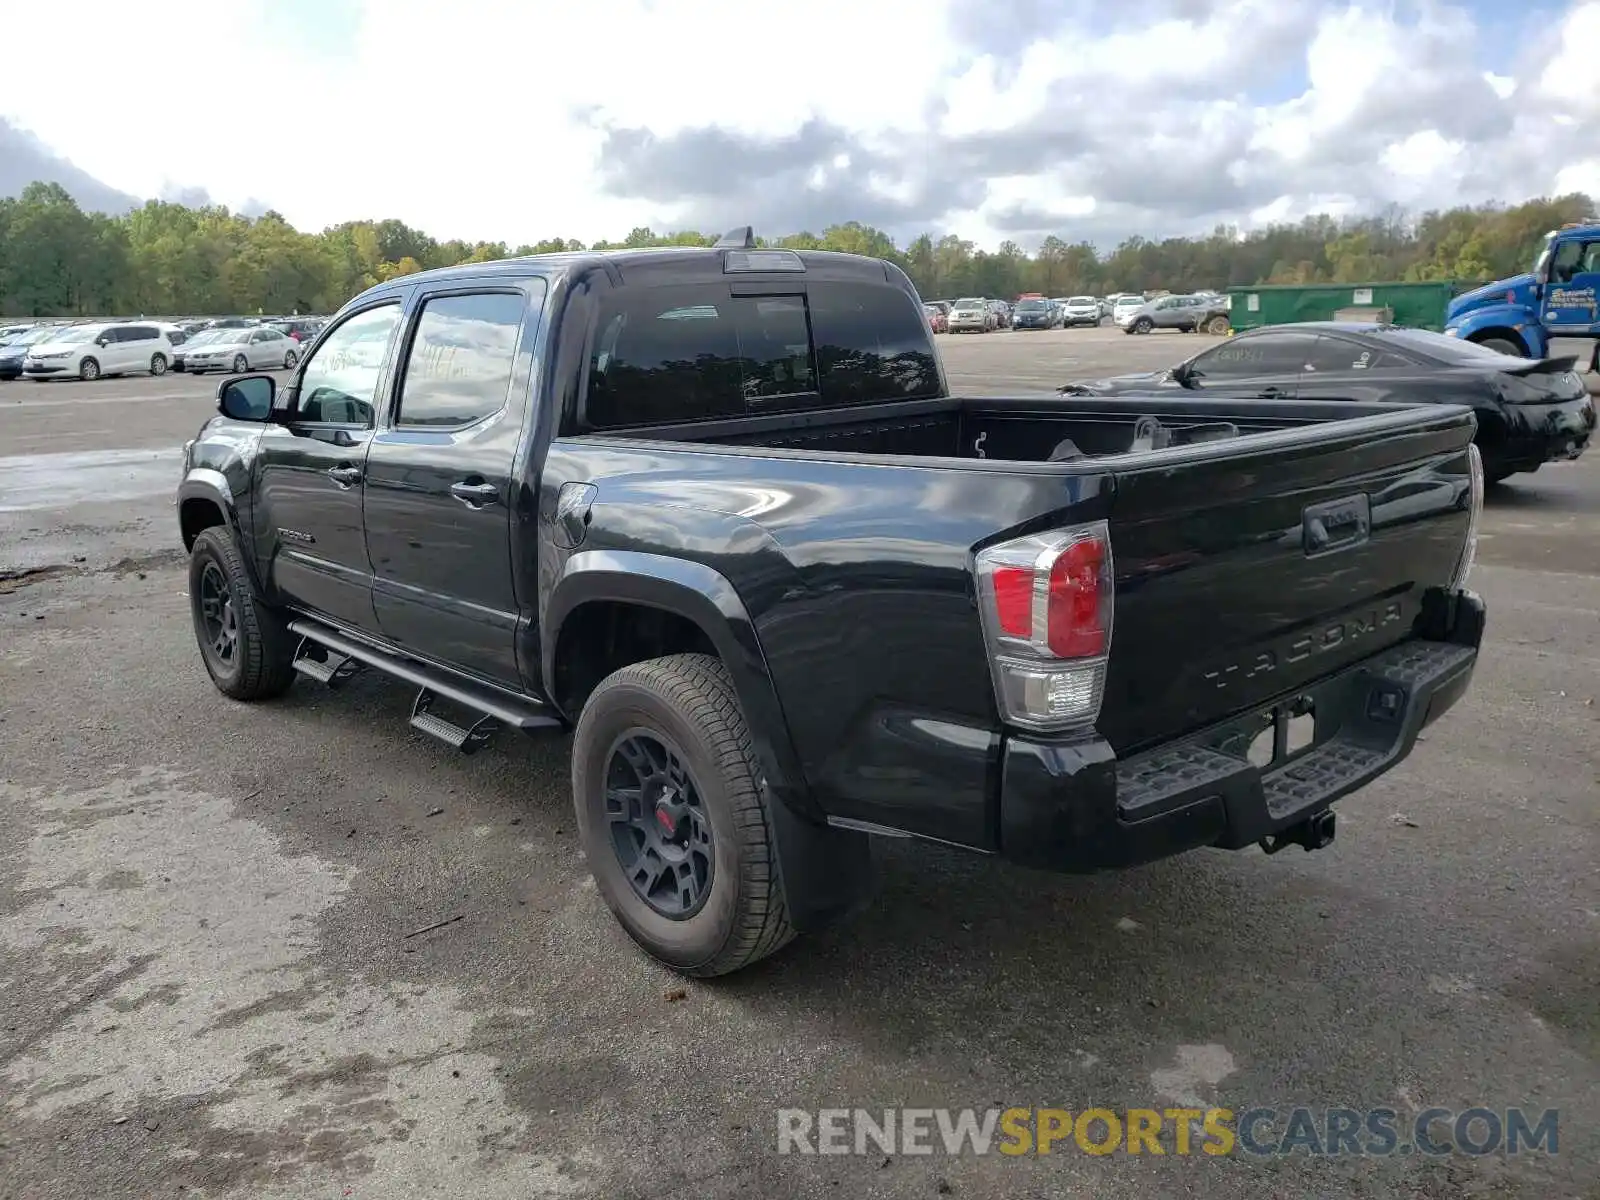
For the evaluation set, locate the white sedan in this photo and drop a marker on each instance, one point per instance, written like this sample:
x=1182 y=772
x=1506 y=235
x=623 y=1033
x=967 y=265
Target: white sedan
x=237 y=351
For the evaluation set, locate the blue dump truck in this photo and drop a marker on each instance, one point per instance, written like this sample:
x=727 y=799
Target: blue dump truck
x=1557 y=299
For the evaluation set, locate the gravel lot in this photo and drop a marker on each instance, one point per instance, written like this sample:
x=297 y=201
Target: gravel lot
x=207 y=987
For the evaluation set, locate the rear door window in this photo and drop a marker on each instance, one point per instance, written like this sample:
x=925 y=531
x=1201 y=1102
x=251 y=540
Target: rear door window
x=462 y=359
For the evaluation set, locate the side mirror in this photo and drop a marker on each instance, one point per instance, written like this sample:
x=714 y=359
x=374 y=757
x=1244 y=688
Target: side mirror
x=247 y=398
x=102 y=341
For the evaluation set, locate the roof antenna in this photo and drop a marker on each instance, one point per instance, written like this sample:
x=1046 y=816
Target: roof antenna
x=742 y=238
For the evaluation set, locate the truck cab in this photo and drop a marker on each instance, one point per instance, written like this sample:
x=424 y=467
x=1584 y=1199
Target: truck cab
x=1556 y=299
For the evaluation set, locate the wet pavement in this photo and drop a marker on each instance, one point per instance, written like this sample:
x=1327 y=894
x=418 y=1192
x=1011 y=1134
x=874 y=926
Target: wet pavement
x=214 y=980
x=35 y=482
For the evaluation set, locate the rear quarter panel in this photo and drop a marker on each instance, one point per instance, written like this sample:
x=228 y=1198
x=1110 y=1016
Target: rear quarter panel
x=856 y=575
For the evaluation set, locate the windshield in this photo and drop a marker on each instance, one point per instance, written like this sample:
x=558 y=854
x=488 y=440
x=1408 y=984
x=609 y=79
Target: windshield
x=32 y=338
x=1543 y=260
x=209 y=335
x=1082 y=300
x=1033 y=306
x=79 y=333
x=966 y=306
x=1130 y=302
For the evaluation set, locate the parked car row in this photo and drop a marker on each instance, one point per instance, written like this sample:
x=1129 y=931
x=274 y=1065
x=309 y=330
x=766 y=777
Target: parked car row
x=90 y=350
x=978 y=314
x=1130 y=311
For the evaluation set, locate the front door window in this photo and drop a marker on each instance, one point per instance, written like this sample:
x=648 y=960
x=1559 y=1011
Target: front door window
x=339 y=384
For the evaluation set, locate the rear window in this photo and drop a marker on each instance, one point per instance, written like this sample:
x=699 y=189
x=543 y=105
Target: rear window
x=697 y=352
x=871 y=346
x=1442 y=349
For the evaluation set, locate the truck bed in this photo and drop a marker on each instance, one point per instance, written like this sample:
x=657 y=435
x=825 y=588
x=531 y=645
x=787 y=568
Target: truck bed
x=1222 y=605
x=1023 y=429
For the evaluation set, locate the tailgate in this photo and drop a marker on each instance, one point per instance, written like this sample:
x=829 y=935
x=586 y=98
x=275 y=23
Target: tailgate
x=1247 y=569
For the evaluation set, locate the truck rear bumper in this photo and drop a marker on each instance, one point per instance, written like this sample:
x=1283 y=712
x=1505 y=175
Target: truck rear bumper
x=1072 y=806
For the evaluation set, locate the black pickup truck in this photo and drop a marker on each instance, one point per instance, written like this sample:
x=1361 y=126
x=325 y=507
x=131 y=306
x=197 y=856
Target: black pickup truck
x=714 y=511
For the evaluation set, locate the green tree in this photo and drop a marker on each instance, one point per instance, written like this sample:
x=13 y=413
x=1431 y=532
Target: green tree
x=56 y=260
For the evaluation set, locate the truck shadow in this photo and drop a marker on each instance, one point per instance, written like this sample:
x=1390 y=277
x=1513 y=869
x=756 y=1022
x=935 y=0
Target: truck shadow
x=973 y=952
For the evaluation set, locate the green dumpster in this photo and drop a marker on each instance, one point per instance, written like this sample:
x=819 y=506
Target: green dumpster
x=1418 y=305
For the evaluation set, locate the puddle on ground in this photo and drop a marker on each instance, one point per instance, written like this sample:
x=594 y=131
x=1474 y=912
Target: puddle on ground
x=43 y=481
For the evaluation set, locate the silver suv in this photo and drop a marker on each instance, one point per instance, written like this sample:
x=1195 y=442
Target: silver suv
x=1187 y=313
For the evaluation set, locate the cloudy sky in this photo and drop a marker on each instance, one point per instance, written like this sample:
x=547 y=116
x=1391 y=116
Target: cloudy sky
x=514 y=120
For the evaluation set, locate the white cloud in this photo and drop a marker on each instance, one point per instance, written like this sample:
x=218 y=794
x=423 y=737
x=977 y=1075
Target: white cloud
x=486 y=119
x=1423 y=155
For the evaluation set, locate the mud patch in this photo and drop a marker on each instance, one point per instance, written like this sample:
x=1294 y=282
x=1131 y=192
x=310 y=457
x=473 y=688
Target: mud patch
x=192 y=1018
x=17 y=579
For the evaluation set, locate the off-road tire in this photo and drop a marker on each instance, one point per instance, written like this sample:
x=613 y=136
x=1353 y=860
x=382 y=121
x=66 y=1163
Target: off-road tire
x=1217 y=326
x=690 y=699
x=263 y=665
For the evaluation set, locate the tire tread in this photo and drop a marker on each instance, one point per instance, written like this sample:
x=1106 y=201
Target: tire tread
x=699 y=687
x=265 y=643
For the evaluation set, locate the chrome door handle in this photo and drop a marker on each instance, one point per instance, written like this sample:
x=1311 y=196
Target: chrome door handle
x=345 y=477
x=474 y=494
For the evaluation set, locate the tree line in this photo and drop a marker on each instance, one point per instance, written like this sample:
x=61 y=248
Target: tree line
x=167 y=259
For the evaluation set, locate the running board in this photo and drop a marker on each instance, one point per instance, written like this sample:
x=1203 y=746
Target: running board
x=343 y=656
x=328 y=667
x=465 y=738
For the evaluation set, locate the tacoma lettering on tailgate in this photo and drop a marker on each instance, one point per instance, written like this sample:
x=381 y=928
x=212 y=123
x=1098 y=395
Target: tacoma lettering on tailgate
x=1329 y=637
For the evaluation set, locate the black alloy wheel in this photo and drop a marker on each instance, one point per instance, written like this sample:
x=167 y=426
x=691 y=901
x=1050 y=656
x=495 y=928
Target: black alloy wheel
x=658 y=824
x=219 y=619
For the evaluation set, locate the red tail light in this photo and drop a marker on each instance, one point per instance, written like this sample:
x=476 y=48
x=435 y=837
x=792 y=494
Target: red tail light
x=1013 y=600
x=1047 y=604
x=1073 y=625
